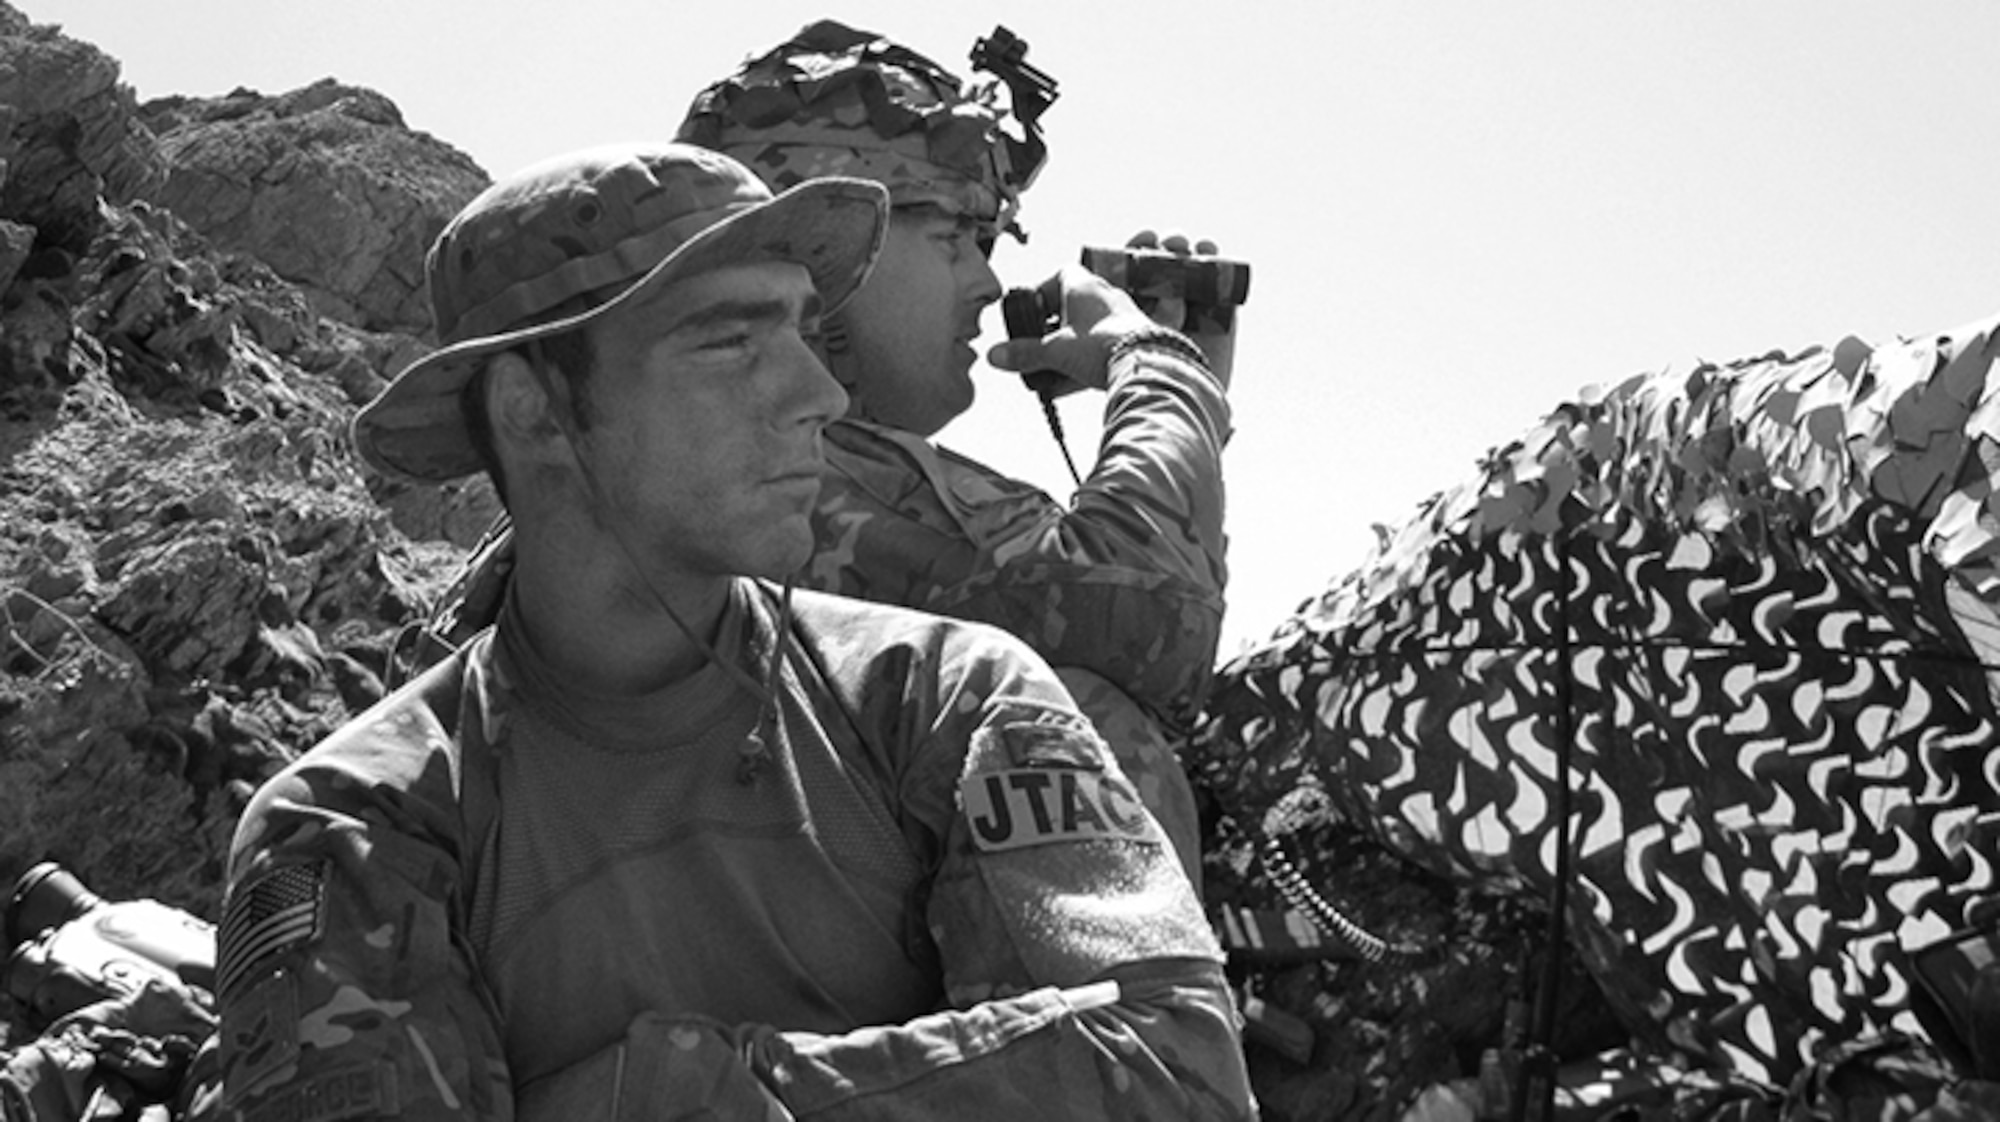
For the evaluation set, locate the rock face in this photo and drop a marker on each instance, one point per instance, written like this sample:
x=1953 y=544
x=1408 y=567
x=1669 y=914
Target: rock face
x=325 y=185
x=197 y=580
x=68 y=136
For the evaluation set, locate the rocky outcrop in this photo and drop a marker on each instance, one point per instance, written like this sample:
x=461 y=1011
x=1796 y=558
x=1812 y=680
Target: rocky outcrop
x=325 y=185
x=197 y=580
x=68 y=136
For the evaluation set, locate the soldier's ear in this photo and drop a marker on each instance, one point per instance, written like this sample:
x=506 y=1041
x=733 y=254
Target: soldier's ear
x=524 y=417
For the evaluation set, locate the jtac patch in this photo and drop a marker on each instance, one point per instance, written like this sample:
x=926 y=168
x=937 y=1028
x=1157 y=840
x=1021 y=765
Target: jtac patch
x=1027 y=806
x=277 y=911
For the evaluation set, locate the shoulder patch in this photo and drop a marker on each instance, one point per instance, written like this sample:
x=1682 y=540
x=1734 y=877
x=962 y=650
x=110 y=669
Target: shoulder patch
x=1038 y=736
x=1034 y=744
x=279 y=910
x=1018 y=807
x=352 y=1091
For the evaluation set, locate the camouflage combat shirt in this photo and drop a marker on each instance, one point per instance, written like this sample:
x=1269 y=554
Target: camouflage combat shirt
x=1121 y=591
x=489 y=897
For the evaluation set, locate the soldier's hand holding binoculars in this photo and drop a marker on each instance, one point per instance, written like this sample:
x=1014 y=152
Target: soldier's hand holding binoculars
x=1078 y=316
x=1214 y=333
x=1060 y=334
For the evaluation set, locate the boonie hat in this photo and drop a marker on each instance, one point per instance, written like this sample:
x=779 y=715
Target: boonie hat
x=613 y=222
x=834 y=100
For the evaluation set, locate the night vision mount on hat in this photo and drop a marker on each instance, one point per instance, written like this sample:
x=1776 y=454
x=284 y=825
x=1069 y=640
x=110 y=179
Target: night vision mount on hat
x=564 y=241
x=834 y=100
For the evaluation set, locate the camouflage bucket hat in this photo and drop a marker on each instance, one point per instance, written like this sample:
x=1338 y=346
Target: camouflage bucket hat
x=562 y=242
x=833 y=100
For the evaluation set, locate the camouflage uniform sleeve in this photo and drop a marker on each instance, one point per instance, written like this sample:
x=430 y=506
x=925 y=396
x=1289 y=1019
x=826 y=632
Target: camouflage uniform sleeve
x=345 y=987
x=1126 y=583
x=1081 y=978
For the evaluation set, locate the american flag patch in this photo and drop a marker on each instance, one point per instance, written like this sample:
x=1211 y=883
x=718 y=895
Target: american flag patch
x=281 y=909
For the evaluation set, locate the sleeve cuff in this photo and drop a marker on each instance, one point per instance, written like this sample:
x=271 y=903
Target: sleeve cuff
x=1157 y=336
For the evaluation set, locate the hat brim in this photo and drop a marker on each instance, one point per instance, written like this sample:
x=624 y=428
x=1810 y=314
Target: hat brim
x=834 y=227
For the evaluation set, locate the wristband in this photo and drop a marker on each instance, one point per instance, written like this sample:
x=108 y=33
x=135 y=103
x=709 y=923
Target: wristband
x=1156 y=335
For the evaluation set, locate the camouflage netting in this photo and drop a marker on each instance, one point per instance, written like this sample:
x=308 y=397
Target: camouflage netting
x=1759 y=600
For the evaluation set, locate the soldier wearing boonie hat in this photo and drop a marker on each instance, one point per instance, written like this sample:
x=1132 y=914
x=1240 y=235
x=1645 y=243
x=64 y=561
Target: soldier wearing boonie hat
x=564 y=242
x=666 y=839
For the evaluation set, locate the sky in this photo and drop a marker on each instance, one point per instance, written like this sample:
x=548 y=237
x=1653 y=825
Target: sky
x=1457 y=213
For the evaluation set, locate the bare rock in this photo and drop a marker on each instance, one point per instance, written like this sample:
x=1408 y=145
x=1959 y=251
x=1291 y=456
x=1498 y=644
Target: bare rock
x=75 y=787
x=35 y=351
x=185 y=541
x=196 y=583
x=16 y=242
x=459 y=512
x=325 y=185
x=69 y=132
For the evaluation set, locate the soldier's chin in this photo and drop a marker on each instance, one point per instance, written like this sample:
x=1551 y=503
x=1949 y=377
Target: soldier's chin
x=963 y=385
x=787 y=551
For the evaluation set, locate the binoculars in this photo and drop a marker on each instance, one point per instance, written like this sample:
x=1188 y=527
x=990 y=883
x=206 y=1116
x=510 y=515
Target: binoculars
x=1213 y=288
x=1204 y=282
x=69 y=947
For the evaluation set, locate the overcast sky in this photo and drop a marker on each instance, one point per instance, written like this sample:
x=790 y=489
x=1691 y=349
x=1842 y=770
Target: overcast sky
x=1457 y=213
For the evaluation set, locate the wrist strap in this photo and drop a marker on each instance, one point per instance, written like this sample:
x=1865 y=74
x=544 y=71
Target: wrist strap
x=1156 y=335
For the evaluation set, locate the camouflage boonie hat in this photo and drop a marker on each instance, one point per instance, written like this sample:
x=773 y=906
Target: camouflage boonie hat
x=563 y=242
x=837 y=101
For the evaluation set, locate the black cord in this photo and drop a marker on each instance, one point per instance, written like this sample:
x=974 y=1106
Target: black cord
x=1056 y=430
